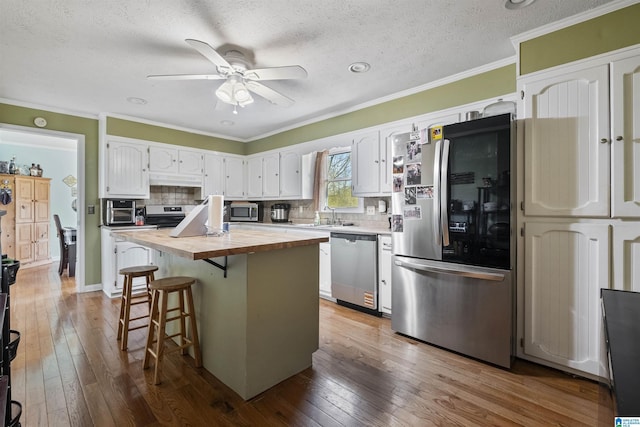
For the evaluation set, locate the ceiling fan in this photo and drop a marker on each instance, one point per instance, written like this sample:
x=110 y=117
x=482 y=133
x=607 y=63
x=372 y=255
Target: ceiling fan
x=239 y=79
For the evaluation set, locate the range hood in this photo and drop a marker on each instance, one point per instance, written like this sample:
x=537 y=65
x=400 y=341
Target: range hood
x=175 y=180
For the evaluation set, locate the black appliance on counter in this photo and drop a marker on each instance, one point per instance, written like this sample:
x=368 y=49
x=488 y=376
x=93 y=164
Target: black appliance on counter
x=166 y=216
x=280 y=212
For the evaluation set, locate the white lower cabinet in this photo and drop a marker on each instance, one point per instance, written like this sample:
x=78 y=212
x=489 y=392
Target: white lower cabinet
x=385 y=258
x=325 y=270
x=626 y=257
x=566 y=265
x=118 y=254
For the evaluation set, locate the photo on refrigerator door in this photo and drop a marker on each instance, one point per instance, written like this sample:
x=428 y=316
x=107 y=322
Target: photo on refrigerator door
x=424 y=192
x=414 y=151
x=396 y=223
x=410 y=195
x=398 y=183
x=398 y=165
x=414 y=174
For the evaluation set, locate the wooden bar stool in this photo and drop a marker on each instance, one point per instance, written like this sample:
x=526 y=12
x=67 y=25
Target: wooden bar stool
x=128 y=300
x=160 y=290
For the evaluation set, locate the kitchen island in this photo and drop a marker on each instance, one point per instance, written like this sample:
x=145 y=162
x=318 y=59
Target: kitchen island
x=257 y=318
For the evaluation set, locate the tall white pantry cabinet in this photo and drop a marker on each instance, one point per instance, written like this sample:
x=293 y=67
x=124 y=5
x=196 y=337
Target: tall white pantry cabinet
x=579 y=139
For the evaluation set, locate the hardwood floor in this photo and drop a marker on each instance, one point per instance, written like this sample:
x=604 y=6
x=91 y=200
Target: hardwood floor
x=70 y=371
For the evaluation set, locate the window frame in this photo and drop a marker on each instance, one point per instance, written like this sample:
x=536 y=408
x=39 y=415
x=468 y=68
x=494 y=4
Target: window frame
x=325 y=206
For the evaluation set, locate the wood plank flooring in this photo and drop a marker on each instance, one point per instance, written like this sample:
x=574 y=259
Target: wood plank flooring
x=70 y=371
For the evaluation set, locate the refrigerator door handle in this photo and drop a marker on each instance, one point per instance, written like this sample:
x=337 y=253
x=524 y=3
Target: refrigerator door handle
x=456 y=270
x=444 y=212
x=436 y=197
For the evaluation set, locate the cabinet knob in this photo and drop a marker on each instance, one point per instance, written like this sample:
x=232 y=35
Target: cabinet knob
x=604 y=141
x=619 y=138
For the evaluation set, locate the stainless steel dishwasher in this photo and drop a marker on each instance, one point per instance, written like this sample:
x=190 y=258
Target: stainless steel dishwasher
x=354 y=271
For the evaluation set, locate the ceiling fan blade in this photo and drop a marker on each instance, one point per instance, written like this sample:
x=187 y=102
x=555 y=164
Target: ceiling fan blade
x=186 y=77
x=269 y=94
x=211 y=54
x=276 y=73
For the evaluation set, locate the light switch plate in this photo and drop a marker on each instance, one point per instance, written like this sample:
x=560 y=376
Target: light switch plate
x=371 y=210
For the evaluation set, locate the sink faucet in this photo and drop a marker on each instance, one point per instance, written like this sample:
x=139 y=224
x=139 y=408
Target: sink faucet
x=333 y=214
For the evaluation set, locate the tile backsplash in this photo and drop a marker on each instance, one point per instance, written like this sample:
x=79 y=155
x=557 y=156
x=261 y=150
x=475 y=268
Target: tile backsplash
x=302 y=211
x=167 y=195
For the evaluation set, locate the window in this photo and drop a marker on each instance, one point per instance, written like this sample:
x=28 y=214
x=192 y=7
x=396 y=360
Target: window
x=339 y=182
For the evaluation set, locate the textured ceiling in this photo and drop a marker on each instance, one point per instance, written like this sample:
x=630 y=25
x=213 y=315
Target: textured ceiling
x=90 y=56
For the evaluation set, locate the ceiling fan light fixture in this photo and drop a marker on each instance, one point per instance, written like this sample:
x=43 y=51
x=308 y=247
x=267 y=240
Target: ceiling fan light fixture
x=241 y=93
x=225 y=92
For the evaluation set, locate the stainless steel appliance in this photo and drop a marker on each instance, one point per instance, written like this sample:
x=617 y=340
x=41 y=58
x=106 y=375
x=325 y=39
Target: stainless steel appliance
x=354 y=271
x=280 y=212
x=452 y=241
x=164 y=216
x=119 y=212
x=245 y=212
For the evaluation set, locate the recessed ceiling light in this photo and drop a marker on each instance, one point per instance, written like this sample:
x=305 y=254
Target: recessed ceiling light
x=517 y=4
x=137 y=101
x=359 y=67
x=227 y=122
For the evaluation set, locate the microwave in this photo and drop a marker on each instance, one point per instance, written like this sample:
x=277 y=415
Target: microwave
x=119 y=212
x=245 y=212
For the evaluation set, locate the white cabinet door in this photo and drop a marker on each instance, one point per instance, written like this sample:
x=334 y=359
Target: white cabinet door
x=126 y=170
x=213 y=175
x=626 y=256
x=190 y=162
x=290 y=175
x=566 y=265
x=163 y=159
x=566 y=144
x=386 y=162
x=325 y=270
x=365 y=164
x=129 y=254
x=271 y=175
x=625 y=117
x=234 y=177
x=254 y=176
x=384 y=273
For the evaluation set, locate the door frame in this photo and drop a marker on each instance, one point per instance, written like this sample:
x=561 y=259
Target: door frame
x=80 y=164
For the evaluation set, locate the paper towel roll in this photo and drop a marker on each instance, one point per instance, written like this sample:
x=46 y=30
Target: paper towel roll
x=216 y=212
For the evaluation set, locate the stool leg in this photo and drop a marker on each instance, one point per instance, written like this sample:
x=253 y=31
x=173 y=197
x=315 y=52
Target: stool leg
x=126 y=290
x=194 y=329
x=150 y=278
x=162 y=323
x=183 y=327
x=153 y=316
x=122 y=304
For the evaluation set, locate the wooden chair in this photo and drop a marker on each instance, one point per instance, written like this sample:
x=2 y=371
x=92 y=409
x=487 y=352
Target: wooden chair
x=64 y=248
x=156 y=336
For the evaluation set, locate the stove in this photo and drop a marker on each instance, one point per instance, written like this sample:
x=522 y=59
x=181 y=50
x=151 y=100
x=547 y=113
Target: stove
x=165 y=216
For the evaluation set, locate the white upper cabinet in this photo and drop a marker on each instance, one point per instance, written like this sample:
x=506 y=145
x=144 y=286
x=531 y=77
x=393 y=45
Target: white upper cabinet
x=387 y=133
x=566 y=144
x=190 y=162
x=290 y=175
x=271 y=175
x=625 y=119
x=125 y=170
x=234 y=176
x=263 y=176
x=214 y=177
x=365 y=164
x=170 y=159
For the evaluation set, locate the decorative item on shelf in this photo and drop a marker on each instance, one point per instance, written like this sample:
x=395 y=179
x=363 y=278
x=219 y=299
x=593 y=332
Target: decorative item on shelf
x=70 y=180
x=12 y=166
x=33 y=170
x=4 y=166
x=39 y=170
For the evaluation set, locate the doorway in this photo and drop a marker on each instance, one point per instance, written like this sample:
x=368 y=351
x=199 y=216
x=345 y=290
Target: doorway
x=68 y=187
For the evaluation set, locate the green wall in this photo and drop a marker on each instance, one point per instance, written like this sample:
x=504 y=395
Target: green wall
x=493 y=83
x=21 y=116
x=606 y=33
x=130 y=129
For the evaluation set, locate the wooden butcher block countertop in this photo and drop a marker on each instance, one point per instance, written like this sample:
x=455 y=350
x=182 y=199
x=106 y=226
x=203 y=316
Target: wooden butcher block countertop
x=235 y=243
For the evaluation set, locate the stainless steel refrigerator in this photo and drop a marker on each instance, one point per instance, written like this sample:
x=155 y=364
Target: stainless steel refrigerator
x=453 y=246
